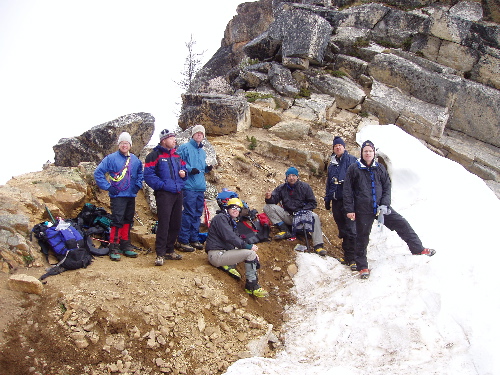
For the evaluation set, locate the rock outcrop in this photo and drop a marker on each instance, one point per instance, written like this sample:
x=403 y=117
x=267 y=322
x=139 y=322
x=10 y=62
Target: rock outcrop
x=99 y=141
x=429 y=67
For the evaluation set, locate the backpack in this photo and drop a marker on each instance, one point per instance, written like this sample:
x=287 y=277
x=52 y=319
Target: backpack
x=65 y=242
x=91 y=216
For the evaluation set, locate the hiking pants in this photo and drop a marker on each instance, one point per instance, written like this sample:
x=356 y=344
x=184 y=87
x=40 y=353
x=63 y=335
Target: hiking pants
x=277 y=214
x=193 y=203
x=218 y=258
x=169 y=207
x=393 y=221
x=346 y=227
x=122 y=218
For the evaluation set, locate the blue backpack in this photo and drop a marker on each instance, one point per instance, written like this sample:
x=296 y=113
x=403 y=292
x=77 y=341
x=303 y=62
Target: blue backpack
x=61 y=241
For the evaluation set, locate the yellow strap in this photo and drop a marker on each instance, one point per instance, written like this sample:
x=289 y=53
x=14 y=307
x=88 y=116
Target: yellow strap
x=123 y=172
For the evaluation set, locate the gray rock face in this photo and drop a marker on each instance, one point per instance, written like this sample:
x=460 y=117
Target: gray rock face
x=282 y=81
x=347 y=93
x=101 y=140
x=219 y=114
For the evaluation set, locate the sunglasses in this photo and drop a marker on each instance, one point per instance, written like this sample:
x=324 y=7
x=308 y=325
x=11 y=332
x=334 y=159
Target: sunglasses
x=235 y=208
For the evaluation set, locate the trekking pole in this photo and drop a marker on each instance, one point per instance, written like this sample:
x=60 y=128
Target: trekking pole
x=138 y=219
x=207 y=213
x=324 y=235
x=50 y=215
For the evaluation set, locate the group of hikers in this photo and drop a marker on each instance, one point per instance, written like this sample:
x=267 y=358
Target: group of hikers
x=358 y=191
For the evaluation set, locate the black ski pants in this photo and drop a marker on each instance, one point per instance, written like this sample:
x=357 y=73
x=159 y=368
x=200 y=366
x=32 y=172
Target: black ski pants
x=169 y=207
x=347 y=229
x=393 y=221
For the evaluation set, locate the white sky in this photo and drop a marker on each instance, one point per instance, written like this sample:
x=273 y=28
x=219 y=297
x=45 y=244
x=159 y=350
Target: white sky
x=67 y=65
x=415 y=314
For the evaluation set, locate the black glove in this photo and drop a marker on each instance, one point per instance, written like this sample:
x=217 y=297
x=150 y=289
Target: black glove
x=328 y=205
x=113 y=190
x=195 y=171
x=209 y=168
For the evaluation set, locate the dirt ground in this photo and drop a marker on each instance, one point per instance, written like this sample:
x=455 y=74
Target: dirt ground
x=186 y=317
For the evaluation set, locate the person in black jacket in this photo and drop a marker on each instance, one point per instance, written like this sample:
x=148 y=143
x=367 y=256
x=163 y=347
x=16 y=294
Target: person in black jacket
x=367 y=196
x=340 y=160
x=287 y=200
x=225 y=248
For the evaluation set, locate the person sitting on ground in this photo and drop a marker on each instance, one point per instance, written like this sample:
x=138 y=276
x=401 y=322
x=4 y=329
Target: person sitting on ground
x=194 y=190
x=225 y=248
x=340 y=160
x=165 y=172
x=367 y=196
x=288 y=199
x=121 y=174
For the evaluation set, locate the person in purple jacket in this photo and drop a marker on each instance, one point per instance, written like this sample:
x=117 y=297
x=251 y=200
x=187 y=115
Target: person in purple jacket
x=165 y=172
x=120 y=173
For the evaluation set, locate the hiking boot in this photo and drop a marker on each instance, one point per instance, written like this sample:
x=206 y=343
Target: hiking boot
x=185 y=247
x=353 y=266
x=233 y=272
x=320 y=251
x=159 y=261
x=114 y=251
x=253 y=288
x=364 y=274
x=428 y=252
x=126 y=249
x=282 y=235
x=197 y=245
x=260 y=292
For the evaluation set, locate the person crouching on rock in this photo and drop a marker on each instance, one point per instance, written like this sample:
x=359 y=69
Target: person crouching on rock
x=225 y=248
x=121 y=174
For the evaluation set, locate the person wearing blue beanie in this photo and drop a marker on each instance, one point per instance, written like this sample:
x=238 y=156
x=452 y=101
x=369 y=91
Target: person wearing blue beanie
x=292 y=198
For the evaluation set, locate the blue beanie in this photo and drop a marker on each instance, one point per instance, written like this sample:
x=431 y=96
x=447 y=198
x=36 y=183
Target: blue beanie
x=338 y=141
x=292 y=170
x=367 y=143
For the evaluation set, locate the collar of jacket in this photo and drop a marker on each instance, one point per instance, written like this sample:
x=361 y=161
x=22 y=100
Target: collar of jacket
x=362 y=165
x=195 y=144
x=165 y=150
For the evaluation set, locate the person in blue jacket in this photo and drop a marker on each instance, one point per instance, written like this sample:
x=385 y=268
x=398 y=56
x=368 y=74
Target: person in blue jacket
x=165 y=172
x=340 y=160
x=121 y=174
x=194 y=155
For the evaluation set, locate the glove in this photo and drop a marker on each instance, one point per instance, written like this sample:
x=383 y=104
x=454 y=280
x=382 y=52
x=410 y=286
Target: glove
x=195 y=171
x=113 y=190
x=135 y=189
x=382 y=210
x=209 y=168
x=328 y=206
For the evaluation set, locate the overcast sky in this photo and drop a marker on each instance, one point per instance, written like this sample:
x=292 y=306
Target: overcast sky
x=67 y=65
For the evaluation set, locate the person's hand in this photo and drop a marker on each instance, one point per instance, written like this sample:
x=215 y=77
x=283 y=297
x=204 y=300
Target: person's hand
x=209 y=168
x=327 y=204
x=195 y=171
x=182 y=173
x=255 y=248
x=113 y=190
x=383 y=210
x=268 y=194
x=135 y=189
x=351 y=215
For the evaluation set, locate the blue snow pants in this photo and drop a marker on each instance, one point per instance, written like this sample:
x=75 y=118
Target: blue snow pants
x=193 y=203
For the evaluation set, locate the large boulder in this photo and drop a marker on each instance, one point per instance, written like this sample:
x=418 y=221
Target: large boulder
x=219 y=114
x=101 y=140
x=347 y=93
x=282 y=81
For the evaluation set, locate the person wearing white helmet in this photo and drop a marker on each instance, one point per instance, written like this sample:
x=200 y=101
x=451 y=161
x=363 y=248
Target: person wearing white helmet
x=225 y=248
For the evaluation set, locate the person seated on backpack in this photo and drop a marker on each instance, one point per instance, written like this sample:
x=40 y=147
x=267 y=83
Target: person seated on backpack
x=287 y=200
x=121 y=174
x=225 y=248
